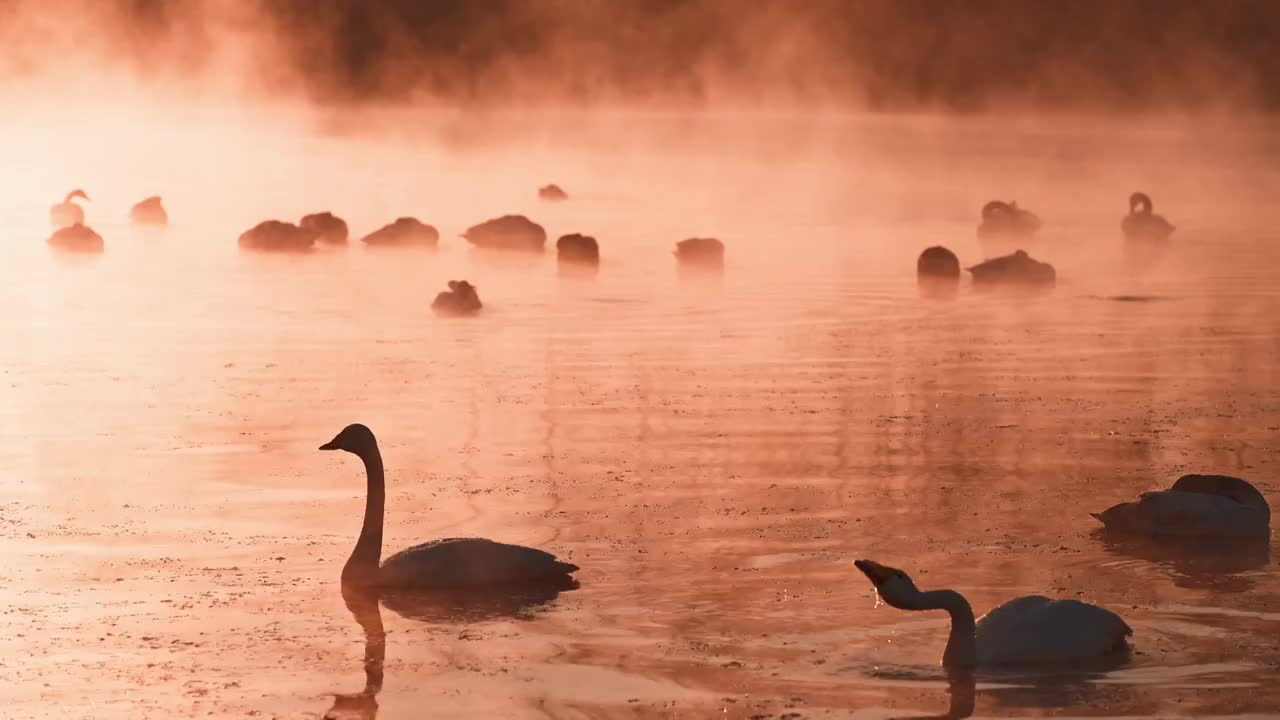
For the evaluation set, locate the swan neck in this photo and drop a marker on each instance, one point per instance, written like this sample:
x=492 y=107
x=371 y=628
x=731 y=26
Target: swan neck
x=368 y=551
x=962 y=651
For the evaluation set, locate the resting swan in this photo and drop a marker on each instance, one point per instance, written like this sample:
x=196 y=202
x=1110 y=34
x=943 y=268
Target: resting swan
x=1028 y=630
x=67 y=213
x=1141 y=224
x=1006 y=220
x=460 y=299
x=439 y=564
x=1196 y=506
x=149 y=212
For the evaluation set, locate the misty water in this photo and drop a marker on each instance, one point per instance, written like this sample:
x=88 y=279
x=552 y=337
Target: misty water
x=712 y=452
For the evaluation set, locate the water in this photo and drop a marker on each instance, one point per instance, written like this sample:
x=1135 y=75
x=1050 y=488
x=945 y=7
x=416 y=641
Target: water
x=713 y=454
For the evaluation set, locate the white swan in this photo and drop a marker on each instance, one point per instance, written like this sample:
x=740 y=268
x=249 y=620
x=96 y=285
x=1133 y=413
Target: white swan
x=67 y=213
x=1028 y=630
x=439 y=564
x=1196 y=506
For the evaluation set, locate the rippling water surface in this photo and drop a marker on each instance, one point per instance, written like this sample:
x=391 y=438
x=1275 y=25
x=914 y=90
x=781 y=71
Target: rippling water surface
x=713 y=453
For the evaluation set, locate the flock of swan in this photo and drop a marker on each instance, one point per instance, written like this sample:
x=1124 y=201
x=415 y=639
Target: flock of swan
x=1026 y=630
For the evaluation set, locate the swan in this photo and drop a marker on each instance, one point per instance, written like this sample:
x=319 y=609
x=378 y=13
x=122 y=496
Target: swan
x=329 y=228
x=1018 y=269
x=404 y=231
x=1006 y=220
x=578 y=248
x=459 y=299
x=149 y=212
x=509 y=232
x=277 y=236
x=77 y=237
x=552 y=193
x=938 y=262
x=67 y=213
x=1196 y=506
x=439 y=564
x=1141 y=224
x=704 y=252
x=1027 y=630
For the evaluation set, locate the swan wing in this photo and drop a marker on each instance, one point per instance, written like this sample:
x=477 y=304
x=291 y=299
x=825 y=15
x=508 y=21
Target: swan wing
x=469 y=562
x=1038 y=630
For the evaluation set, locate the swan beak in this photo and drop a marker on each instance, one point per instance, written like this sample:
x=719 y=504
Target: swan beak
x=331 y=445
x=874 y=571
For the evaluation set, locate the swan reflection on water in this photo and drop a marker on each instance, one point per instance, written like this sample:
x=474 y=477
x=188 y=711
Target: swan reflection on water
x=445 y=607
x=1193 y=563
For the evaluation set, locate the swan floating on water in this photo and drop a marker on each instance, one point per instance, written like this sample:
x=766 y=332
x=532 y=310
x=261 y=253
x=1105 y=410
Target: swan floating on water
x=149 y=212
x=439 y=564
x=1005 y=220
x=68 y=213
x=77 y=238
x=405 y=231
x=329 y=228
x=552 y=193
x=460 y=299
x=277 y=236
x=578 y=248
x=1028 y=630
x=1196 y=506
x=1018 y=269
x=938 y=262
x=509 y=232
x=700 y=252
x=1141 y=224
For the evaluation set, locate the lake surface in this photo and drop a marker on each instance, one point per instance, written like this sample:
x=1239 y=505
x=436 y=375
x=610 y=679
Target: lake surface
x=713 y=453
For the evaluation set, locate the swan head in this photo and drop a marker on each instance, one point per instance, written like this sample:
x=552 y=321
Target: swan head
x=355 y=439
x=892 y=584
x=1140 y=202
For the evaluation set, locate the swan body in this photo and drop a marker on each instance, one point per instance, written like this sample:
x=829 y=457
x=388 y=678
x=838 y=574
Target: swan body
x=1028 y=630
x=403 y=232
x=77 y=238
x=705 y=252
x=68 y=213
x=460 y=299
x=1007 y=220
x=509 y=232
x=329 y=228
x=1016 y=269
x=578 y=248
x=552 y=193
x=938 y=262
x=1196 y=506
x=277 y=236
x=149 y=212
x=1141 y=224
x=442 y=564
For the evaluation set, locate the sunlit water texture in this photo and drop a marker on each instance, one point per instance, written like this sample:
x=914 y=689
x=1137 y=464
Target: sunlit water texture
x=712 y=453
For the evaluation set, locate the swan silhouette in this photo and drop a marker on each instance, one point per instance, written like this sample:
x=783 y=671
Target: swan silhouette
x=403 y=232
x=277 y=236
x=329 y=228
x=578 y=248
x=938 y=262
x=1141 y=224
x=1005 y=220
x=460 y=299
x=76 y=238
x=700 y=252
x=68 y=213
x=509 y=232
x=1018 y=269
x=149 y=212
x=552 y=193
x=1028 y=630
x=439 y=564
x=1196 y=506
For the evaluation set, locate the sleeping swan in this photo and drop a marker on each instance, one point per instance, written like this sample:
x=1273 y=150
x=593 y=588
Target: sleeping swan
x=1196 y=506
x=67 y=213
x=439 y=564
x=1141 y=224
x=1028 y=630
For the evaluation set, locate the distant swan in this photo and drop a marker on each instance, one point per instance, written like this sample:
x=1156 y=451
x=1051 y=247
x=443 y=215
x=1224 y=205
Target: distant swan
x=149 y=212
x=1196 y=506
x=329 y=228
x=700 y=252
x=552 y=193
x=1028 y=630
x=67 y=213
x=1006 y=220
x=450 y=563
x=404 y=232
x=460 y=299
x=509 y=232
x=1141 y=224
x=578 y=248
x=938 y=262
x=1017 y=270
x=77 y=238
x=277 y=236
